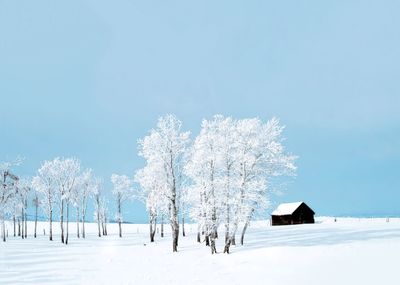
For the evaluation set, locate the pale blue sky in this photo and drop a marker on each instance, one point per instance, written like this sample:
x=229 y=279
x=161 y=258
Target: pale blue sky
x=88 y=78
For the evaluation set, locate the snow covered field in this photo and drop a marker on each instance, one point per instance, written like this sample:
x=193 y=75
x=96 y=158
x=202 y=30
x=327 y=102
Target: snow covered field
x=350 y=251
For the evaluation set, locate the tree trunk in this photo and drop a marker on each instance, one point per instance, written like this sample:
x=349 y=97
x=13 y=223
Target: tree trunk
x=207 y=239
x=227 y=246
x=77 y=222
x=243 y=232
x=19 y=227
x=212 y=240
x=183 y=227
x=198 y=237
x=105 y=224
x=66 y=238
x=162 y=226
x=3 y=229
x=26 y=225
x=153 y=226
x=51 y=224
x=231 y=241
x=22 y=223
x=175 y=236
x=36 y=212
x=98 y=219
x=119 y=218
x=14 y=225
x=26 y=218
x=83 y=226
x=62 y=221
x=174 y=226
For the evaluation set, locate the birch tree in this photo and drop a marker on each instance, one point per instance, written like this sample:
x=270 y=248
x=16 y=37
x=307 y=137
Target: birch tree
x=9 y=184
x=66 y=172
x=36 y=204
x=151 y=193
x=261 y=155
x=209 y=162
x=87 y=187
x=164 y=150
x=44 y=183
x=122 y=191
x=96 y=192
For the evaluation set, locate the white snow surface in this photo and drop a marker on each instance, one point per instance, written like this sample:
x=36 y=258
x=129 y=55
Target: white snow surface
x=349 y=251
x=286 y=208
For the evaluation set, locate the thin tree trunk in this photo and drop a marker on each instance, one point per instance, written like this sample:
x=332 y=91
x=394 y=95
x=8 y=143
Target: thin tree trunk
x=243 y=232
x=83 y=226
x=22 y=223
x=62 y=221
x=66 y=238
x=183 y=227
x=14 y=225
x=207 y=239
x=26 y=225
x=105 y=225
x=51 y=224
x=19 y=226
x=77 y=222
x=162 y=226
x=174 y=227
x=119 y=218
x=212 y=240
x=98 y=224
x=153 y=226
x=175 y=238
x=198 y=234
x=3 y=229
x=36 y=213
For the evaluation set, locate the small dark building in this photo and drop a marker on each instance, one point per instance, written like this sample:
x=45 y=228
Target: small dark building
x=291 y=214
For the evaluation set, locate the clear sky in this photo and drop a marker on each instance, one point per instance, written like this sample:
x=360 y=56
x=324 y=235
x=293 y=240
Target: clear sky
x=88 y=78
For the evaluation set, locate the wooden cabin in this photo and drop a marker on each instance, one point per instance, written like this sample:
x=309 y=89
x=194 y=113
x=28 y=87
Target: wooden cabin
x=291 y=214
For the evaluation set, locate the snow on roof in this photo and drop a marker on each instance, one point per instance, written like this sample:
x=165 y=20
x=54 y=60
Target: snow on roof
x=286 y=209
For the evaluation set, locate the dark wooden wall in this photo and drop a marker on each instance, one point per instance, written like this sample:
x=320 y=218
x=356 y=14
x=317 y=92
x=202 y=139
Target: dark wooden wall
x=302 y=215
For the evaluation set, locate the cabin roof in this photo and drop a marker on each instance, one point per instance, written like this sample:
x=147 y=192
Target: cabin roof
x=286 y=209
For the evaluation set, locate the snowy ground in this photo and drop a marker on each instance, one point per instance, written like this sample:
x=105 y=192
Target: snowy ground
x=350 y=251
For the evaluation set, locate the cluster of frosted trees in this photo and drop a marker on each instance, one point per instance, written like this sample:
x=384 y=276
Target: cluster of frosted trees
x=62 y=190
x=223 y=178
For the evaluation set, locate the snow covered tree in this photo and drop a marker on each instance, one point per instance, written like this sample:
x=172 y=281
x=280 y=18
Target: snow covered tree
x=103 y=215
x=36 y=203
x=65 y=172
x=164 y=150
x=22 y=193
x=209 y=168
x=96 y=192
x=44 y=183
x=122 y=191
x=152 y=195
x=261 y=157
x=86 y=187
x=9 y=184
x=232 y=165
